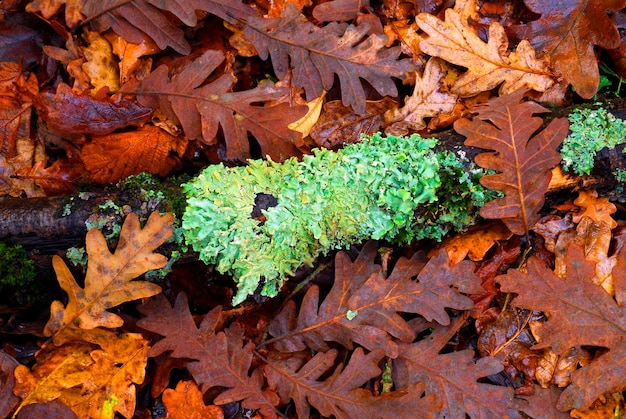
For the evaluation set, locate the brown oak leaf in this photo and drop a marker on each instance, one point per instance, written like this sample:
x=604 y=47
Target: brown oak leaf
x=314 y=55
x=8 y=400
x=453 y=376
x=186 y=403
x=221 y=358
x=112 y=157
x=135 y=19
x=68 y=113
x=580 y=313
x=263 y=111
x=506 y=125
x=489 y=64
x=363 y=306
x=49 y=8
x=109 y=277
x=568 y=31
x=340 y=395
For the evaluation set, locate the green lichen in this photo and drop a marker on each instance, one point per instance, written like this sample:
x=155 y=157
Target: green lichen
x=17 y=275
x=590 y=131
x=396 y=188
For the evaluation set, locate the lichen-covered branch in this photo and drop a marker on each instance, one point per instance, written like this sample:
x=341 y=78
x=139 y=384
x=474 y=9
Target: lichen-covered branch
x=395 y=188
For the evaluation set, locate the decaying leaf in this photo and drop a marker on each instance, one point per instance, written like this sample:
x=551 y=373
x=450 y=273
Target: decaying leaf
x=579 y=313
x=314 y=55
x=506 y=125
x=100 y=65
x=8 y=400
x=454 y=375
x=68 y=113
x=222 y=358
x=363 y=306
x=473 y=243
x=16 y=93
x=112 y=157
x=186 y=403
x=598 y=209
x=427 y=100
x=489 y=64
x=49 y=8
x=108 y=280
x=339 y=124
x=340 y=395
x=263 y=111
x=568 y=31
x=93 y=372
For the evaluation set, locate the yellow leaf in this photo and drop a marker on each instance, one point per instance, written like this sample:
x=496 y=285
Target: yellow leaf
x=108 y=280
x=489 y=64
x=305 y=124
x=100 y=66
x=93 y=372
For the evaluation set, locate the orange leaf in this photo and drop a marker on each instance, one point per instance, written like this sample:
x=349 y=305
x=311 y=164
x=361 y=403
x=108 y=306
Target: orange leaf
x=93 y=372
x=186 y=403
x=473 y=243
x=16 y=92
x=110 y=158
x=598 y=209
x=505 y=125
x=108 y=280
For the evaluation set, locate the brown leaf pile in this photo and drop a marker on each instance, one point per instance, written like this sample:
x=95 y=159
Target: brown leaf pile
x=94 y=91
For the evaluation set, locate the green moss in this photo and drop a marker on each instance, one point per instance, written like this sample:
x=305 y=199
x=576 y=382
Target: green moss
x=17 y=275
x=590 y=131
x=396 y=188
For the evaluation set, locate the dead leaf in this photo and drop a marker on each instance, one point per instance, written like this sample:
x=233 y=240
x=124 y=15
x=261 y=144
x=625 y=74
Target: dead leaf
x=108 y=280
x=598 y=209
x=340 y=125
x=49 y=8
x=427 y=100
x=337 y=48
x=69 y=113
x=186 y=403
x=363 y=306
x=454 y=375
x=92 y=372
x=112 y=157
x=305 y=124
x=505 y=125
x=473 y=243
x=16 y=93
x=100 y=65
x=202 y=110
x=580 y=313
x=130 y=62
x=340 y=395
x=222 y=357
x=568 y=31
x=8 y=400
x=489 y=64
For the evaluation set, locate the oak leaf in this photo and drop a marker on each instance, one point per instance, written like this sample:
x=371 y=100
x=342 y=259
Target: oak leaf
x=16 y=93
x=202 y=110
x=28 y=154
x=220 y=358
x=8 y=400
x=49 y=8
x=135 y=19
x=186 y=403
x=598 y=209
x=580 y=313
x=68 y=113
x=100 y=65
x=112 y=157
x=428 y=99
x=568 y=31
x=108 y=279
x=489 y=64
x=340 y=395
x=363 y=305
x=93 y=372
x=453 y=376
x=314 y=55
x=473 y=243
x=506 y=125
